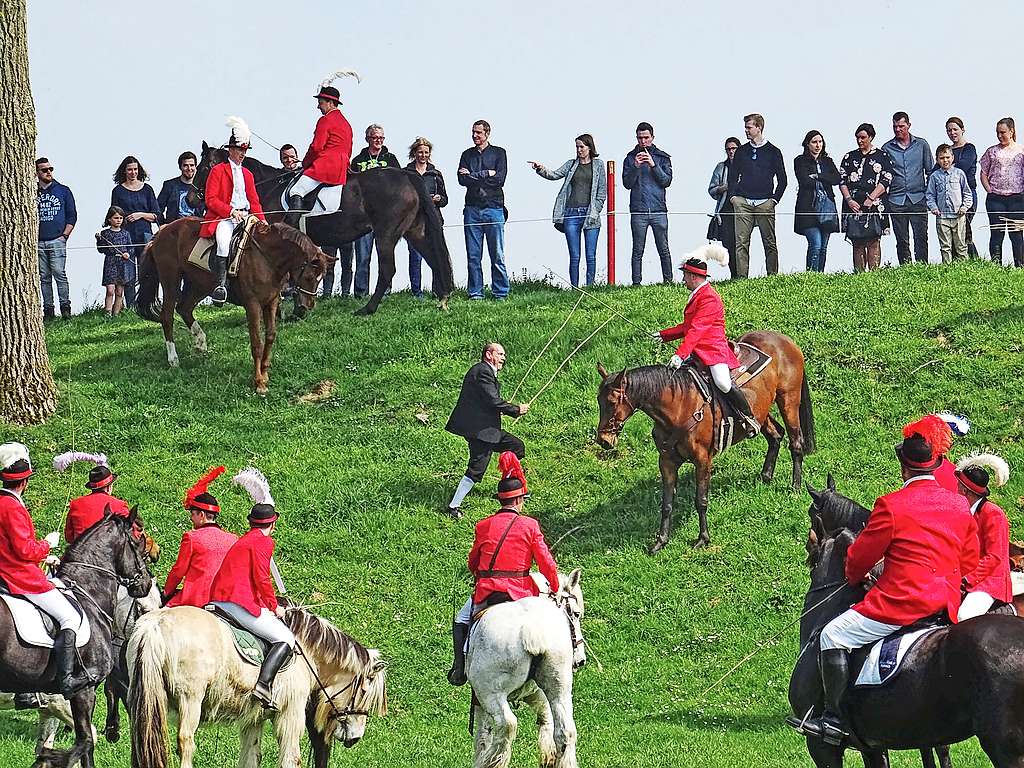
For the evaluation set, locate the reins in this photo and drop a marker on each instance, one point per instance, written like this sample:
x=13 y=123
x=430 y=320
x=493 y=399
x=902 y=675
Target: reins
x=336 y=714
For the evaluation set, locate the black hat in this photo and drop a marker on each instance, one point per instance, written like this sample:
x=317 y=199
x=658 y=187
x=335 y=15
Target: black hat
x=100 y=477
x=974 y=478
x=510 y=489
x=329 y=92
x=204 y=502
x=263 y=514
x=696 y=266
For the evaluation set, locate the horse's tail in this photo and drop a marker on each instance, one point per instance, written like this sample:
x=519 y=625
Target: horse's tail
x=147 y=698
x=439 y=258
x=807 y=418
x=146 y=303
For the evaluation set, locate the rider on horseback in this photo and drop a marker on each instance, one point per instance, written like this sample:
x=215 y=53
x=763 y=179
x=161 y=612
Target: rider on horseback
x=85 y=511
x=928 y=539
x=703 y=335
x=230 y=198
x=506 y=544
x=326 y=161
x=20 y=555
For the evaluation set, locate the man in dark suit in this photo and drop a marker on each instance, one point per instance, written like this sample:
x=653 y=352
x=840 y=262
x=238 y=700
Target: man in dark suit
x=477 y=418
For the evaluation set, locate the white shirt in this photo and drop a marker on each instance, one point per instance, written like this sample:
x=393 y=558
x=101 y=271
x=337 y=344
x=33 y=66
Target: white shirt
x=977 y=505
x=239 y=200
x=494 y=368
x=915 y=478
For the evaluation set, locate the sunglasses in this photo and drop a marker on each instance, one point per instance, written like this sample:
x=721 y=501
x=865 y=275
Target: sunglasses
x=45 y=170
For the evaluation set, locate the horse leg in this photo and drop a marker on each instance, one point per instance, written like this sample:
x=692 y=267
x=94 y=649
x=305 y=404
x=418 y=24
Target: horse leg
x=772 y=431
x=385 y=272
x=789 y=407
x=556 y=683
x=927 y=758
x=269 y=335
x=943 y=754
x=112 y=693
x=288 y=726
x=824 y=755
x=189 y=713
x=250 y=754
x=47 y=734
x=186 y=309
x=504 y=725
x=668 y=466
x=252 y=314
x=83 y=704
x=702 y=483
x=167 y=320
x=538 y=702
x=876 y=758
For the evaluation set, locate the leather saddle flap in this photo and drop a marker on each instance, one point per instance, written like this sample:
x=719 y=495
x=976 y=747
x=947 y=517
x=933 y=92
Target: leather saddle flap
x=752 y=362
x=37 y=628
x=201 y=253
x=251 y=648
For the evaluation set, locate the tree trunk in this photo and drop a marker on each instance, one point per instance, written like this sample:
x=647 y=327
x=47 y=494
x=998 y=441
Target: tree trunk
x=27 y=392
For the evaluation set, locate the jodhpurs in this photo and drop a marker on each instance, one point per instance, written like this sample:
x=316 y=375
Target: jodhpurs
x=58 y=608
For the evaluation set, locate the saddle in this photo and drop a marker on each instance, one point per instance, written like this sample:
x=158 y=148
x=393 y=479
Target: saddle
x=205 y=248
x=38 y=629
x=252 y=649
x=324 y=199
x=879 y=663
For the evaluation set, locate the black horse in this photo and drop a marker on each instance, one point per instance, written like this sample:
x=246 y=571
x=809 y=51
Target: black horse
x=103 y=557
x=959 y=681
x=390 y=202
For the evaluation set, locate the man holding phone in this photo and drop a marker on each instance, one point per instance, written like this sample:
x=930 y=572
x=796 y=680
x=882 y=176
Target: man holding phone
x=646 y=173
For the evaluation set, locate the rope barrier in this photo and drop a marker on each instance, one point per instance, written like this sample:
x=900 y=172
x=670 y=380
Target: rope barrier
x=564 y=362
x=545 y=349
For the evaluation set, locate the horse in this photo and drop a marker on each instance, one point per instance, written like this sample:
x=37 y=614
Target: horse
x=390 y=202
x=682 y=433
x=526 y=650
x=184 y=660
x=274 y=252
x=101 y=558
x=959 y=681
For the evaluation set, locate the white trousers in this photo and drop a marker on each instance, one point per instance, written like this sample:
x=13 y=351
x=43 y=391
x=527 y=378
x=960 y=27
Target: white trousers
x=266 y=625
x=57 y=606
x=303 y=186
x=328 y=200
x=223 y=236
x=975 y=604
x=465 y=614
x=720 y=375
x=850 y=630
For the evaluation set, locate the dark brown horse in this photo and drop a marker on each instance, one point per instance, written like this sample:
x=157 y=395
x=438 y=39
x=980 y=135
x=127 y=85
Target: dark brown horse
x=684 y=427
x=275 y=252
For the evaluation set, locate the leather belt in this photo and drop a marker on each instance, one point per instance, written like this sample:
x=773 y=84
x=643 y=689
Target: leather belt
x=502 y=574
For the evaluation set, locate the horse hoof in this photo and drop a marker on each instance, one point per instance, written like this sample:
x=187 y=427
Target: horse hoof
x=443 y=305
x=173 y=363
x=657 y=546
x=362 y=311
x=766 y=479
x=113 y=735
x=261 y=391
x=701 y=542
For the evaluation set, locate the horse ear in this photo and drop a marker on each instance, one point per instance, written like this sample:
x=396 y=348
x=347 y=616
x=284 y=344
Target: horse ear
x=602 y=371
x=133 y=514
x=815 y=494
x=573 y=581
x=830 y=483
x=206 y=147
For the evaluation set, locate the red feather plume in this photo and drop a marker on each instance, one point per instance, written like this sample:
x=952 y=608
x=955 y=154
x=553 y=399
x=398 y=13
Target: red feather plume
x=934 y=430
x=509 y=465
x=202 y=485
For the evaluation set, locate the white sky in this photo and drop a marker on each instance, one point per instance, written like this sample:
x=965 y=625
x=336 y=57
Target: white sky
x=154 y=79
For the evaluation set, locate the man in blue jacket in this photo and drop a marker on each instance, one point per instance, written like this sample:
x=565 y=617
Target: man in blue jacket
x=482 y=171
x=57 y=217
x=646 y=173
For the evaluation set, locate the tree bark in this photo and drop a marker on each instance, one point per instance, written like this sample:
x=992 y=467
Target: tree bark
x=27 y=391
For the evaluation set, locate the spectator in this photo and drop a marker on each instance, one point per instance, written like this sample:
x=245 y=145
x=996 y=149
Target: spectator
x=113 y=243
x=482 y=171
x=647 y=173
x=912 y=162
x=757 y=184
x=965 y=157
x=865 y=174
x=173 y=198
x=723 y=223
x=1002 y=176
x=948 y=197
x=289 y=157
x=579 y=203
x=374 y=155
x=816 y=174
x=57 y=218
x=419 y=154
x=136 y=198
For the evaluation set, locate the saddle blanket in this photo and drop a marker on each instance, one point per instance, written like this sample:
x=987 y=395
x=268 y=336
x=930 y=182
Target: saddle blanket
x=327 y=200
x=885 y=657
x=205 y=247
x=251 y=648
x=1017 y=580
x=37 y=628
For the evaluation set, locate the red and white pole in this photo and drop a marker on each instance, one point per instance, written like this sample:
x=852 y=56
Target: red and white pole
x=611 y=222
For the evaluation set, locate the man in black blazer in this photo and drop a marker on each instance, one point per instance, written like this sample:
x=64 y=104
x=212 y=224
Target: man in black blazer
x=477 y=418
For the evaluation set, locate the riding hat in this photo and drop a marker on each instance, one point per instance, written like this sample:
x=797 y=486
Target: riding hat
x=15 y=464
x=696 y=261
x=695 y=266
x=513 y=482
x=925 y=442
x=973 y=472
x=263 y=514
x=240 y=136
x=329 y=92
x=100 y=477
x=197 y=496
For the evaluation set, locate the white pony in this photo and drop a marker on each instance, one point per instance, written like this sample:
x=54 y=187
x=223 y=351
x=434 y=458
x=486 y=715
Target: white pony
x=526 y=650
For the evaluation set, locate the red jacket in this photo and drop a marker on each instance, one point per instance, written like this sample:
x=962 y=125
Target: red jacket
x=993 y=572
x=244 y=575
x=523 y=545
x=928 y=538
x=703 y=329
x=219 y=186
x=20 y=552
x=945 y=475
x=328 y=155
x=86 y=511
x=199 y=558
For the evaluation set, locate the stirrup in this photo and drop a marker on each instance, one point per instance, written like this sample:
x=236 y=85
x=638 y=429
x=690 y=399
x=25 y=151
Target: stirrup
x=265 y=696
x=219 y=296
x=23 y=701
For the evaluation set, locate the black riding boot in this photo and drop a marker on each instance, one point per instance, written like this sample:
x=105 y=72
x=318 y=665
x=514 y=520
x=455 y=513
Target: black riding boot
x=220 y=293
x=64 y=654
x=278 y=654
x=27 y=701
x=457 y=674
x=738 y=401
x=294 y=211
x=835 y=677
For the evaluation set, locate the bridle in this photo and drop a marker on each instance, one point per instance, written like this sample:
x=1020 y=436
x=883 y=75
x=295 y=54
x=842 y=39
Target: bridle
x=355 y=685
x=616 y=425
x=126 y=582
x=569 y=605
x=298 y=279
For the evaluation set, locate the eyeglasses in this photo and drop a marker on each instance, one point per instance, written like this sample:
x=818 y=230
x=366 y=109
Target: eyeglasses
x=45 y=170
x=376 y=138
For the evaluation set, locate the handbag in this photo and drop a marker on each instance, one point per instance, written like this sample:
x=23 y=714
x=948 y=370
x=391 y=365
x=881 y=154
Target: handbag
x=714 y=229
x=825 y=210
x=863 y=226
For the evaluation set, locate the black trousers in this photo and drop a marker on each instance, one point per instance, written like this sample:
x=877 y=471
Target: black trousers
x=480 y=453
x=910 y=219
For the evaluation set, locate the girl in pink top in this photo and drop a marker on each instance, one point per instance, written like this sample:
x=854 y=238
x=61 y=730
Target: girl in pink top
x=1002 y=175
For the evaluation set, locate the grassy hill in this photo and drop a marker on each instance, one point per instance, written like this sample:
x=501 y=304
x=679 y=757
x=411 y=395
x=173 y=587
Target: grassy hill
x=360 y=483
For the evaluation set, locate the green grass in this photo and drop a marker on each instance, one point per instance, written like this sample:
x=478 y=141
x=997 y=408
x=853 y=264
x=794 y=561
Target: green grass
x=360 y=483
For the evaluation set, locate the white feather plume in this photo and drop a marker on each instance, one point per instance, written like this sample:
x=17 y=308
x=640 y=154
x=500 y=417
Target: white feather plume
x=340 y=73
x=12 y=452
x=255 y=484
x=709 y=252
x=959 y=424
x=65 y=460
x=995 y=464
x=239 y=128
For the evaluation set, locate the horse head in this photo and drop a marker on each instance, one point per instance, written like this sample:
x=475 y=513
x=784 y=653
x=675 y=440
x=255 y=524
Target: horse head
x=304 y=262
x=570 y=599
x=829 y=593
x=208 y=157
x=615 y=406
x=833 y=511
x=110 y=547
x=131 y=556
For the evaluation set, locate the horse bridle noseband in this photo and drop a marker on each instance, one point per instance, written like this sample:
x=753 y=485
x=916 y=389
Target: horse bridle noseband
x=615 y=425
x=356 y=683
x=563 y=603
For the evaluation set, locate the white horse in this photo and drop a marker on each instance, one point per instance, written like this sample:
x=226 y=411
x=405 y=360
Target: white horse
x=115 y=688
x=527 y=650
x=183 y=660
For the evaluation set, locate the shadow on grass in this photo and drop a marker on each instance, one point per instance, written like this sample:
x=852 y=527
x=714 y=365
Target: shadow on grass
x=718 y=720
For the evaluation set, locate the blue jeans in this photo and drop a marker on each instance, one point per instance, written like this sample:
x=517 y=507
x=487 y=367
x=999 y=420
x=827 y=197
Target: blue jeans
x=817 y=246
x=361 y=282
x=573 y=223
x=53 y=255
x=638 y=223
x=415 y=272
x=487 y=223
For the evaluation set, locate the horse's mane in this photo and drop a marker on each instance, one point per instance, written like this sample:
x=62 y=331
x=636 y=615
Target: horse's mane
x=647 y=383
x=837 y=512
x=292 y=235
x=73 y=552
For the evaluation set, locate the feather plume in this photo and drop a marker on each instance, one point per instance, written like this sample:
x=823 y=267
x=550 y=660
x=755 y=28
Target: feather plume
x=202 y=485
x=508 y=464
x=12 y=452
x=255 y=484
x=995 y=464
x=65 y=460
x=340 y=73
x=935 y=432
x=239 y=128
x=959 y=424
x=709 y=252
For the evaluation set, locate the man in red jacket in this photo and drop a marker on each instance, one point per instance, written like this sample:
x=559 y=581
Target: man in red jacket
x=703 y=336
x=507 y=543
x=230 y=198
x=327 y=159
x=85 y=511
x=928 y=539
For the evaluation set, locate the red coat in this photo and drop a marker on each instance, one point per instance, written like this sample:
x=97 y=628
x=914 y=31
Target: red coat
x=199 y=558
x=20 y=551
x=86 y=511
x=523 y=545
x=993 y=572
x=703 y=329
x=946 y=477
x=328 y=155
x=219 y=186
x=928 y=538
x=244 y=575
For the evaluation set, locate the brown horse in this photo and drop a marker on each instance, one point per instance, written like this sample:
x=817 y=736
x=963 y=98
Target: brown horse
x=685 y=426
x=275 y=252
